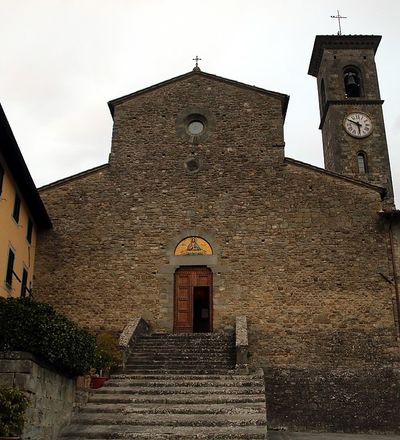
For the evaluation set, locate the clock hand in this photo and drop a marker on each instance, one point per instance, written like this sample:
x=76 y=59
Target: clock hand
x=354 y=122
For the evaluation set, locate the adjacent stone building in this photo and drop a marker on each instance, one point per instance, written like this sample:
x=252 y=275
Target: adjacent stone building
x=199 y=217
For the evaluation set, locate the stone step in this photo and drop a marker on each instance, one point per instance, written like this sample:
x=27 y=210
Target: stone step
x=178 y=357
x=176 y=387
x=177 y=371
x=132 y=419
x=187 y=399
x=179 y=354
x=180 y=390
x=187 y=339
x=185 y=343
x=231 y=376
x=167 y=433
x=192 y=361
x=184 y=350
x=176 y=364
x=168 y=408
x=183 y=366
x=184 y=381
x=192 y=336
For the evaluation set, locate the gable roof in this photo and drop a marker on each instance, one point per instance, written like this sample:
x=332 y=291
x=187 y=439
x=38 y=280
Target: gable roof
x=282 y=97
x=15 y=162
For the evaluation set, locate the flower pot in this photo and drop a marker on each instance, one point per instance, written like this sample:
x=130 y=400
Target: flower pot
x=96 y=382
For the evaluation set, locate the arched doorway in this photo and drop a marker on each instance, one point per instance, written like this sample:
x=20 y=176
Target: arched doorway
x=193 y=300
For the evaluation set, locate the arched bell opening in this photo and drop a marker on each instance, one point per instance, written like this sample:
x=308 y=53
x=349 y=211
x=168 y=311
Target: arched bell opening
x=352 y=82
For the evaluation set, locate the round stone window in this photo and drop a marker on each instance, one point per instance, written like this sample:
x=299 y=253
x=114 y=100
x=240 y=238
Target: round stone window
x=195 y=127
x=194 y=124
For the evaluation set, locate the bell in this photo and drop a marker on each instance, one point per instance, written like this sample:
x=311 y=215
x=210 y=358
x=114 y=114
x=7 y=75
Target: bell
x=350 y=80
x=351 y=85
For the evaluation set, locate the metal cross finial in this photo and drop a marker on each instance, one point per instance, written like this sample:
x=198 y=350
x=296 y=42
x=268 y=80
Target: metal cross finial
x=338 y=16
x=197 y=59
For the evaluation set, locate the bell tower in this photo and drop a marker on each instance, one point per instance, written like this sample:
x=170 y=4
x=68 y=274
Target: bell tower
x=353 y=129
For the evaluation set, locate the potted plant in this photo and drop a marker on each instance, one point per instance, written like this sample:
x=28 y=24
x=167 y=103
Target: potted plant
x=13 y=404
x=107 y=357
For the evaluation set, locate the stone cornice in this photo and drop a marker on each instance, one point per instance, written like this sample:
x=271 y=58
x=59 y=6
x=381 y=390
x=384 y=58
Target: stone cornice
x=354 y=101
x=323 y=42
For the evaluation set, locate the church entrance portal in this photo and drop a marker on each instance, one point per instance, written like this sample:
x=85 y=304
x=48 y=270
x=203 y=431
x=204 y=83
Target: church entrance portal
x=193 y=300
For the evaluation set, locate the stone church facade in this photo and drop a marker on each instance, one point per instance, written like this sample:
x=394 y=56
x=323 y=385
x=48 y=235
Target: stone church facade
x=199 y=218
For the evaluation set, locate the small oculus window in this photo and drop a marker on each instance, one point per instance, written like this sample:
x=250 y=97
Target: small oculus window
x=195 y=127
x=192 y=165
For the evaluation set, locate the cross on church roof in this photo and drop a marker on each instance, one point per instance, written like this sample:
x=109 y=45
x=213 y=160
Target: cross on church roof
x=197 y=59
x=338 y=16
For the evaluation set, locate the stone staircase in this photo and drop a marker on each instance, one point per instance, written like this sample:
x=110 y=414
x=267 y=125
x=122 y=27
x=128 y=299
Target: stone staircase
x=176 y=387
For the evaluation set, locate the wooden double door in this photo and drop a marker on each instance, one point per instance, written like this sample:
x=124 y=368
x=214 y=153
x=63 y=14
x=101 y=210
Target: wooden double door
x=193 y=300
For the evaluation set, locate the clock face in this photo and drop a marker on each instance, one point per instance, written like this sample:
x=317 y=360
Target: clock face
x=358 y=124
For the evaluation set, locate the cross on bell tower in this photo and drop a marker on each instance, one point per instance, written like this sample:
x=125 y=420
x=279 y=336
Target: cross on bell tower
x=338 y=17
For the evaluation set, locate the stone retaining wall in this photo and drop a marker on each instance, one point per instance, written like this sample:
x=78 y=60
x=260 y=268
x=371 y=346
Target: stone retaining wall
x=52 y=395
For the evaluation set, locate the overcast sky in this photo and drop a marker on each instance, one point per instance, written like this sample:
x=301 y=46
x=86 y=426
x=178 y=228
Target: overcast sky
x=63 y=60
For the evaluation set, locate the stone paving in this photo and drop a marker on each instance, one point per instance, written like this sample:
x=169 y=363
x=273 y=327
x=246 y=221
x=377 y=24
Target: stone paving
x=328 y=436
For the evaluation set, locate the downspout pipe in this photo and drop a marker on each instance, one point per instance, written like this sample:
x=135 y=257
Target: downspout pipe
x=395 y=278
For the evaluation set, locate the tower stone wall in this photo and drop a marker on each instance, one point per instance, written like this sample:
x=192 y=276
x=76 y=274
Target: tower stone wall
x=331 y=56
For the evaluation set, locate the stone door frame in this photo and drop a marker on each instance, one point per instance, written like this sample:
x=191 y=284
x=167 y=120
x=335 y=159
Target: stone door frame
x=166 y=273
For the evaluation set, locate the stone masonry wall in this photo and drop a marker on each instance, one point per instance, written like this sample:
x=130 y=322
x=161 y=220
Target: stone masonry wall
x=299 y=252
x=51 y=395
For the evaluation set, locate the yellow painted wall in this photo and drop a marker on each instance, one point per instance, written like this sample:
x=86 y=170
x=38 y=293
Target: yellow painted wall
x=14 y=235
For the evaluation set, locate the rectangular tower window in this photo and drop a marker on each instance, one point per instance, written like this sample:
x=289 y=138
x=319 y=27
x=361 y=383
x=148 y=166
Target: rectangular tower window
x=24 y=282
x=10 y=267
x=29 y=231
x=17 y=208
x=362 y=162
x=1 y=178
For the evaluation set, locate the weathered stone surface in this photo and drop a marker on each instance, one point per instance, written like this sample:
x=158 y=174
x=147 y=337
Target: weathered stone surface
x=129 y=332
x=327 y=436
x=296 y=398
x=296 y=250
x=51 y=394
x=167 y=405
